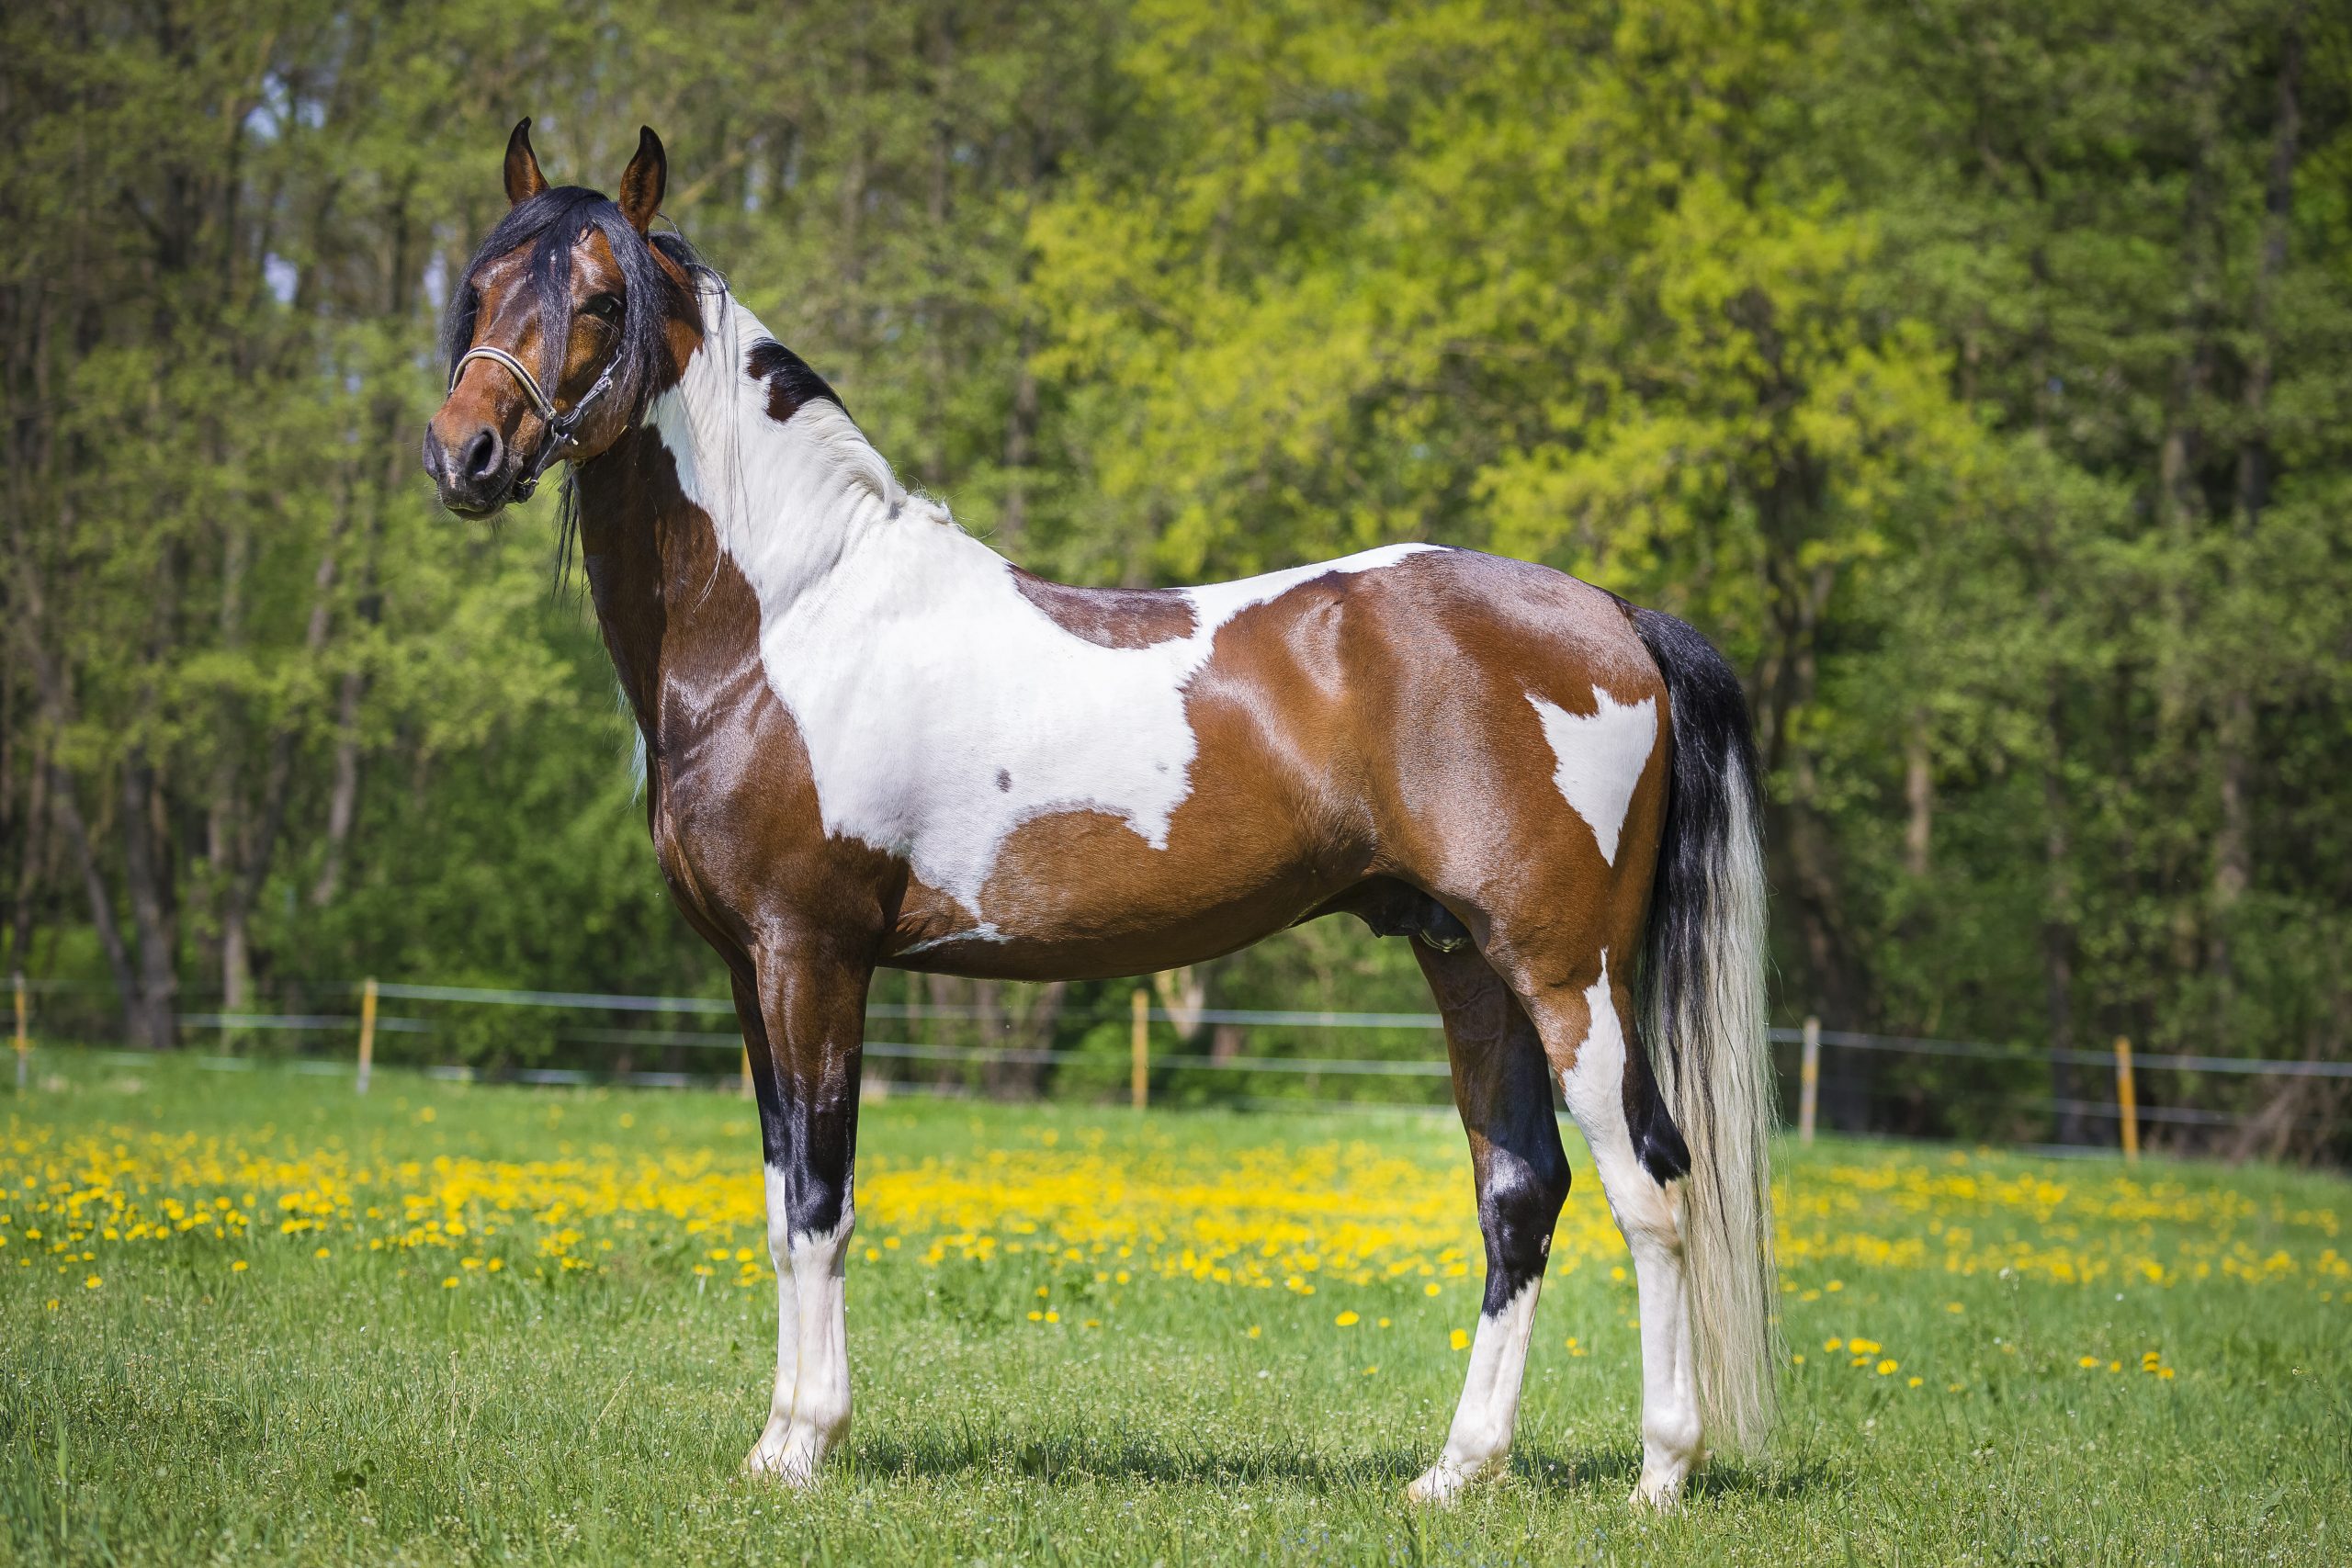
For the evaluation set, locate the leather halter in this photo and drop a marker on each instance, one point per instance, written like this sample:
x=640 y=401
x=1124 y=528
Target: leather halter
x=555 y=428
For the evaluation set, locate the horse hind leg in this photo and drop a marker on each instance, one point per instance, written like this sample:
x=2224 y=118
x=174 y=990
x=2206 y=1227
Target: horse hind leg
x=1636 y=1151
x=1504 y=1093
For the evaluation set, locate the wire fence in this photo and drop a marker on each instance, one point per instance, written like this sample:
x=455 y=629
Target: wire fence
x=657 y=1042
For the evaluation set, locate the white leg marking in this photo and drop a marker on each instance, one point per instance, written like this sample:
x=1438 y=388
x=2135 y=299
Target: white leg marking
x=1599 y=759
x=1478 y=1443
x=809 y=1411
x=767 y=1454
x=1644 y=1213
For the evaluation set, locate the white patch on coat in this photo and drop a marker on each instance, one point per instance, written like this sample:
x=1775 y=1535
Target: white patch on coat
x=810 y=1412
x=1600 y=757
x=1478 y=1443
x=918 y=674
x=1594 y=1089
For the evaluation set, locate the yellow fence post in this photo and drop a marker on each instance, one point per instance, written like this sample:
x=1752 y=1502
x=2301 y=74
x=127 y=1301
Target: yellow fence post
x=1809 y=1081
x=2127 y=1099
x=1139 y=1081
x=24 y=1040
x=367 y=1032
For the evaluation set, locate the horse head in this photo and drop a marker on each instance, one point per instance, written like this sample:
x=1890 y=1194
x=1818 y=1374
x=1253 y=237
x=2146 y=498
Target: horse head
x=570 y=317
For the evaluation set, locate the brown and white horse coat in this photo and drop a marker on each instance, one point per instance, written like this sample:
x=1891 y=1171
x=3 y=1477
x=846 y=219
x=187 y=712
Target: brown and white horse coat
x=871 y=740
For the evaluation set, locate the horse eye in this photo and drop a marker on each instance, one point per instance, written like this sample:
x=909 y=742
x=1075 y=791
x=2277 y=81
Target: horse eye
x=605 y=306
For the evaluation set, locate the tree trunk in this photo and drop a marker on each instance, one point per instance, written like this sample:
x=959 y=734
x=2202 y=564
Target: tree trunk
x=2234 y=735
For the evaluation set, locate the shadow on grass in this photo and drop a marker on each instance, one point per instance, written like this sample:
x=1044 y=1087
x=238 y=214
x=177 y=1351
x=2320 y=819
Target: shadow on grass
x=940 y=1453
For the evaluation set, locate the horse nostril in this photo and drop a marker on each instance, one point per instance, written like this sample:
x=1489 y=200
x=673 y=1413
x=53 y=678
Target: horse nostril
x=481 y=458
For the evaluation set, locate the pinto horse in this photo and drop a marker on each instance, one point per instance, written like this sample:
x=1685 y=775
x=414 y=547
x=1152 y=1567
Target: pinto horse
x=871 y=740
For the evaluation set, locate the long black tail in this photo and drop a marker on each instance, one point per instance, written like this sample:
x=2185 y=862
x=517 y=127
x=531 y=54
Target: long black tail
x=1703 y=1014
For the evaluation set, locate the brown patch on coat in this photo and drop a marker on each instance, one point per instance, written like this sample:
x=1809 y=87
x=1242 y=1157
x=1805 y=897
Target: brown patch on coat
x=1111 y=618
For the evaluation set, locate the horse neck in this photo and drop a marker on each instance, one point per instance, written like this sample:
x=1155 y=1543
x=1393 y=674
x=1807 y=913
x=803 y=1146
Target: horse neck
x=711 y=488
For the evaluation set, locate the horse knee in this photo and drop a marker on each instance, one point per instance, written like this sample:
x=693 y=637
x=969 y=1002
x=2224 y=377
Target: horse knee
x=1519 y=1205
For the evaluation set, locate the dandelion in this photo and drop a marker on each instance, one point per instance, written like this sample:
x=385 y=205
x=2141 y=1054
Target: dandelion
x=450 y=1283
x=1916 y=1381
x=239 y=1267
x=1797 y=1359
x=324 y=1252
x=1254 y=1332
x=1833 y=1343
x=1347 y=1320
x=1889 y=1367
x=1459 y=1339
x=1865 y=1347
x=1053 y=1317
x=2087 y=1363
x=53 y=1303
x=92 y=1283
x=1431 y=1289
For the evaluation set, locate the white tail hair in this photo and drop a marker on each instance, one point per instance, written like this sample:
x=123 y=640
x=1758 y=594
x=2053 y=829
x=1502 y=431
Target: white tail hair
x=1705 y=1022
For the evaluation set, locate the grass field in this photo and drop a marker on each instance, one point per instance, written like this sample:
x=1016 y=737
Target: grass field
x=250 y=1318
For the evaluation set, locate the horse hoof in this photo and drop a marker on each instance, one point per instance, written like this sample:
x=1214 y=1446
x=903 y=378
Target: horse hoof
x=1658 y=1493
x=788 y=1462
x=1441 y=1486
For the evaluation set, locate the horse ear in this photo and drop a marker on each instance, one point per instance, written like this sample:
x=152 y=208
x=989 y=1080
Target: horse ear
x=523 y=180
x=643 y=180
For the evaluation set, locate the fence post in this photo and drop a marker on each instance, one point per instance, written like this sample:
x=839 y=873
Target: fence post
x=24 y=1041
x=1809 y=1081
x=1139 y=1079
x=2127 y=1099
x=367 y=1032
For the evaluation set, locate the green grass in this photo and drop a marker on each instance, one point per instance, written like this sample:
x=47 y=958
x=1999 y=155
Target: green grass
x=355 y=1408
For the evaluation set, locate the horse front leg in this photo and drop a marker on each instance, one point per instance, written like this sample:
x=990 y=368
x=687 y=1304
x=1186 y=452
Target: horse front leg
x=811 y=1009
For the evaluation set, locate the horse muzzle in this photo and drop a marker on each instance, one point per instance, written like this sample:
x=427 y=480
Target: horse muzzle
x=475 y=473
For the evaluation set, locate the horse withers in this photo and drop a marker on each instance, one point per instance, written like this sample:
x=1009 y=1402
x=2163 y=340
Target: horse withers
x=871 y=741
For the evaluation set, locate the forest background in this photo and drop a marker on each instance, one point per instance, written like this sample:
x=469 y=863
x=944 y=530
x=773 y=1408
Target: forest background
x=1978 y=373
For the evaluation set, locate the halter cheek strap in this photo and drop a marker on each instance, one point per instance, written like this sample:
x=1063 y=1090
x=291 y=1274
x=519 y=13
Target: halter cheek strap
x=557 y=429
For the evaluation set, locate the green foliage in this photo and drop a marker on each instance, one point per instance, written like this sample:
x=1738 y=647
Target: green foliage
x=1974 y=371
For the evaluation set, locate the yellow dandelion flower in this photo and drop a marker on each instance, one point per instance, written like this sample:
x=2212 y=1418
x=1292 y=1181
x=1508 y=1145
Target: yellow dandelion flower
x=324 y=1252
x=1889 y=1367
x=1797 y=1359
x=1916 y=1381
x=1053 y=1317
x=1254 y=1331
x=1459 y=1339
x=1431 y=1289
x=1384 y=1322
x=53 y=1303
x=239 y=1267
x=1835 y=1285
x=1037 y=1317
x=1347 y=1320
x=1369 y=1371
x=450 y=1283
x=1833 y=1343
x=92 y=1283
x=1954 y=1308
x=2087 y=1363
x=1865 y=1347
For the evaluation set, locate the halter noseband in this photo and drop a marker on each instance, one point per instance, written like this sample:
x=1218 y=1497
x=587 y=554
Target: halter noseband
x=556 y=427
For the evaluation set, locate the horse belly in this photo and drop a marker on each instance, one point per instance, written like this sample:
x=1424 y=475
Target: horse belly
x=1080 y=895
